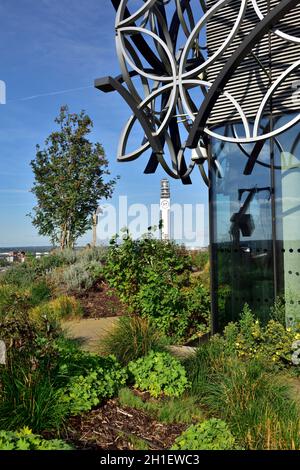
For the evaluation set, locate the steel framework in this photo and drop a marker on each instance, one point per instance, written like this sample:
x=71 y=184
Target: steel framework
x=163 y=65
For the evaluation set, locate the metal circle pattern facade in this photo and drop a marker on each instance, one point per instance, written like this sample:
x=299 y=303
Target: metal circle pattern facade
x=164 y=78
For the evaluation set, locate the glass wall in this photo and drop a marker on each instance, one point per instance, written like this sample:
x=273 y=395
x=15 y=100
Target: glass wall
x=255 y=226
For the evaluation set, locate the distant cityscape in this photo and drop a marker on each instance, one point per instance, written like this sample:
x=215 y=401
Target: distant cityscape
x=27 y=249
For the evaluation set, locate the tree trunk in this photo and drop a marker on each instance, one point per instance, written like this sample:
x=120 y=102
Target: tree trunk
x=63 y=238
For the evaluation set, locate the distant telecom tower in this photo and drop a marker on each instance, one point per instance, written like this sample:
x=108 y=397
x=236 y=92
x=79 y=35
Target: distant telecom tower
x=165 y=207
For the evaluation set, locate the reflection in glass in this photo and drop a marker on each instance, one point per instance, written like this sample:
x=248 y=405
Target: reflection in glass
x=256 y=225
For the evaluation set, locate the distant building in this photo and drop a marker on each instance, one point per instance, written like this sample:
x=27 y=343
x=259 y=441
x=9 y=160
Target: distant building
x=165 y=209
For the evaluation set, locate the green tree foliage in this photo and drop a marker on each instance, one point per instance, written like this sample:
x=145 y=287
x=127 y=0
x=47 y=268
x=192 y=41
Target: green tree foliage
x=69 y=180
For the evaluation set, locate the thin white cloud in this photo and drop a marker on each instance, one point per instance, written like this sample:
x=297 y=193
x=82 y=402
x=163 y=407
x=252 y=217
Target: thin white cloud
x=52 y=93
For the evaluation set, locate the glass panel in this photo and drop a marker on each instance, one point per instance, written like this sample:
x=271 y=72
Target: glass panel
x=287 y=156
x=241 y=208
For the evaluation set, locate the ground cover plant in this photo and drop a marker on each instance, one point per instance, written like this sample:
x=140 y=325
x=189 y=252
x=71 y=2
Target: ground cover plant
x=87 y=388
x=26 y=440
x=212 y=434
x=160 y=374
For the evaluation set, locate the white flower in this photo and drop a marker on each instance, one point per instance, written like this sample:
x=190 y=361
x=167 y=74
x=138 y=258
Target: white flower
x=296 y=345
x=296 y=358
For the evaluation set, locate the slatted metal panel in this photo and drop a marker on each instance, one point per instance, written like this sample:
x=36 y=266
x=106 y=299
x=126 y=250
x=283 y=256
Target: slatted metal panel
x=267 y=62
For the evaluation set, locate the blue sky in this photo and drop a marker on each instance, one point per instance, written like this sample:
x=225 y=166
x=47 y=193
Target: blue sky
x=49 y=46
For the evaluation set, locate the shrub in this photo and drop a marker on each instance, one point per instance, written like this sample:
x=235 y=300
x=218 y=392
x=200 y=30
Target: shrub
x=13 y=300
x=25 y=440
x=278 y=311
x=153 y=279
x=61 y=308
x=78 y=277
x=200 y=259
x=101 y=381
x=97 y=254
x=17 y=331
x=129 y=263
x=132 y=338
x=197 y=298
x=40 y=292
x=248 y=338
x=212 y=434
x=25 y=274
x=19 y=275
x=4 y=263
x=164 y=304
x=159 y=374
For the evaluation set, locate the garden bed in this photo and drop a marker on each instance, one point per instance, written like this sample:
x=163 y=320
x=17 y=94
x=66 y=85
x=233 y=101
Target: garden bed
x=100 y=302
x=115 y=427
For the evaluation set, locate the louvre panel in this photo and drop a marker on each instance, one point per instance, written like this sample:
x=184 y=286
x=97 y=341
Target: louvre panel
x=262 y=67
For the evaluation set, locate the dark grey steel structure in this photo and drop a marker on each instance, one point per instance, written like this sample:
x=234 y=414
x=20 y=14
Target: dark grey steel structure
x=214 y=85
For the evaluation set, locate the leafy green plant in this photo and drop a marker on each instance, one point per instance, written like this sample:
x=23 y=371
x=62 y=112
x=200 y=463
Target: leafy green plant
x=4 y=263
x=278 y=311
x=25 y=440
x=249 y=338
x=198 y=308
x=85 y=391
x=13 y=300
x=40 y=292
x=128 y=263
x=165 y=304
x=24 y=275
x=212 y=434
x=159 y=374
x=154 y=279
x=132 y=338
x=200 y=259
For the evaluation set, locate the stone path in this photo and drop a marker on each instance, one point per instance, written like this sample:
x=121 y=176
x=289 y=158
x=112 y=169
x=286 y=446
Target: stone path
x=89 y=332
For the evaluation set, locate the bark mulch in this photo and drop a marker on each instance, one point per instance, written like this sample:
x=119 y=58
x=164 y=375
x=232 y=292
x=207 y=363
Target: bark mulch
x=114 y=427
x=101 y=302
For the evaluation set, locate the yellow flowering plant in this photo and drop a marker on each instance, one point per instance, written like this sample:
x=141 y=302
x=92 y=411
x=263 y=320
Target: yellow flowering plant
x=248 y=338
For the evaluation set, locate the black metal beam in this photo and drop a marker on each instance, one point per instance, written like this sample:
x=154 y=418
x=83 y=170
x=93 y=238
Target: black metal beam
x=144 y=121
